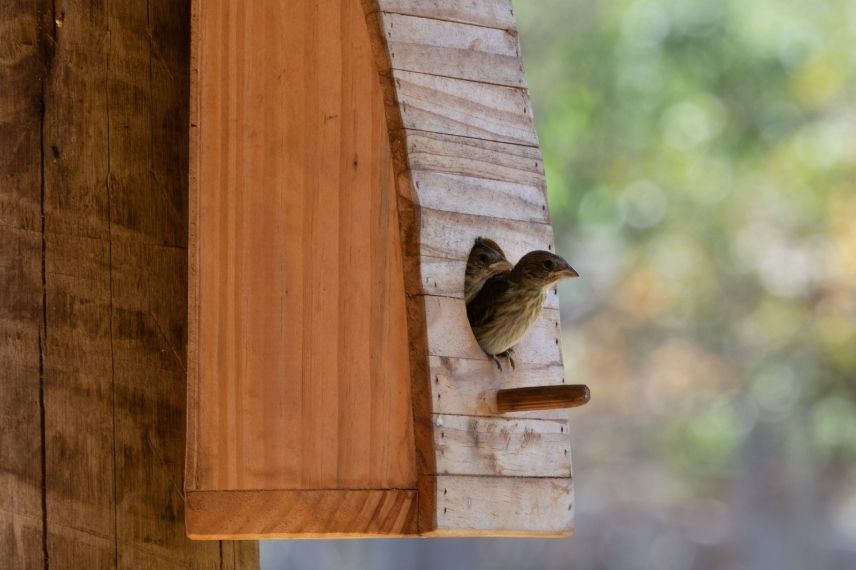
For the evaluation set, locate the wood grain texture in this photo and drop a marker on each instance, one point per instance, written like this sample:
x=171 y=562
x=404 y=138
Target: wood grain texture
x=542 y=398
x=93 y=115
x=499 y=506
x=488 y=13
x=466 y=165
x=465 y=108
x=298 y=363
x=445 y=240
x=25 y=61
x=467 y=445
x=336 y=513
x=468 y=387
x=449 y=334
x=472 y=176
x=451 y=235
x=79 y=376
x=444 y=277
x=448 y=49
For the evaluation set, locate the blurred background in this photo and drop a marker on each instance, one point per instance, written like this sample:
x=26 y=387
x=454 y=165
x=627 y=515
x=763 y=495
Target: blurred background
x=701 y=165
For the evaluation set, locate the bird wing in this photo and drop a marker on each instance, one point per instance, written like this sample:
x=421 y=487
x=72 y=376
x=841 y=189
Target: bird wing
x=482 y=308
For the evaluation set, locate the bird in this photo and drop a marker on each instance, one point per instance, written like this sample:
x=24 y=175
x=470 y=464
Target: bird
x=486 y=260
x=508 y=304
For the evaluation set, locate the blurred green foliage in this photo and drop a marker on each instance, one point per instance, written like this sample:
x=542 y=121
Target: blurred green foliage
x=701 y=162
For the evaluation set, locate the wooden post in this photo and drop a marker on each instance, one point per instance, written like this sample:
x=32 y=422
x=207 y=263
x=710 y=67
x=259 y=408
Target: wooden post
x=93 y=237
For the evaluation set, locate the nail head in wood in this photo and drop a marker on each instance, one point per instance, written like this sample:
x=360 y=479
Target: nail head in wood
x=542 y=397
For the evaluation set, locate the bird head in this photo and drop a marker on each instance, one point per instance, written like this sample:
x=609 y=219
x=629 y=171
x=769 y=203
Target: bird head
x=486 y=256
x=542 y=269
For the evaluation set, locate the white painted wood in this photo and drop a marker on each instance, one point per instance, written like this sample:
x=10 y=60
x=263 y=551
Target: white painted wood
x=504 y=506
x=468 y=165
x=452 y=49
x=468 y=445
x=480 y=196
x=468 y=387
x=451 y=235
x=466 y=108
x=449 y=334
x=488 y=13
x=445 y=278
x=480 y=159
x=472 y=176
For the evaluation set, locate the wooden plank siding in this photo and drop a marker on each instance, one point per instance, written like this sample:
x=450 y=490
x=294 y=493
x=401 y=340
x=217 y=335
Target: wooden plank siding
x=467 y=164
x=486 y=13
x=496 y=506
x=455 y=50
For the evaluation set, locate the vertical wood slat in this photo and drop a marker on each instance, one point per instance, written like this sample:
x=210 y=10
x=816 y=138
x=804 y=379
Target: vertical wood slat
x=92 y=189
x=21 y=341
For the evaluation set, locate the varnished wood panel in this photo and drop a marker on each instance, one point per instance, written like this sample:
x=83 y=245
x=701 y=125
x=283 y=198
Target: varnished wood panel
x=537 y=398
x=298 y=366
x=333 y=513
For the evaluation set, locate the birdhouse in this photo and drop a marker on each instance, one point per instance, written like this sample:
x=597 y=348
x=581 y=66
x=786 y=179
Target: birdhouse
x=344 y=157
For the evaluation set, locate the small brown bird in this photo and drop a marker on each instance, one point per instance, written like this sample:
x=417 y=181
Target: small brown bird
x=486 y=260
x=509 y=303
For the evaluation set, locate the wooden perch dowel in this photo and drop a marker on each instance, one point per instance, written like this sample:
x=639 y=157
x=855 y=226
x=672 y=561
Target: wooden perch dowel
x=542 y=397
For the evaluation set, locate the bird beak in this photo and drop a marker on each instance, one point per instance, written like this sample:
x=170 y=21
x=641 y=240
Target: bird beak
x=568 y=272
x=500 y=266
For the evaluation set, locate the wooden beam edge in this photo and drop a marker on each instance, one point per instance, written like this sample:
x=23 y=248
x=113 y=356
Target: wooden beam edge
x=194 y=170
x=466 y=533
x=311 y=513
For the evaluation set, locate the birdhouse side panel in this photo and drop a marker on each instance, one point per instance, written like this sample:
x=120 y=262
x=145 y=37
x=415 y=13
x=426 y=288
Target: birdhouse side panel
x=299 y=370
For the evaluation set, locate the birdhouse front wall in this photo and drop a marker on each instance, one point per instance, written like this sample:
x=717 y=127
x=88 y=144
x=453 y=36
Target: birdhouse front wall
x=467 y=164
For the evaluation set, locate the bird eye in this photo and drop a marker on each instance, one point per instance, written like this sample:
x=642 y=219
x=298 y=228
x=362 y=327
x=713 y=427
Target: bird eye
x=483 y=258
x=548 y=265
